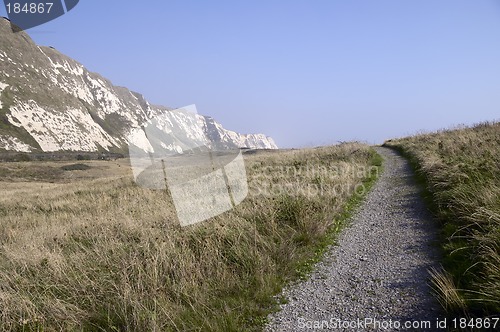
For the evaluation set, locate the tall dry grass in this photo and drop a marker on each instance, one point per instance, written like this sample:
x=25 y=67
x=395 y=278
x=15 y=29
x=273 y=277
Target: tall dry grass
x=461 y=168
x=103 y=254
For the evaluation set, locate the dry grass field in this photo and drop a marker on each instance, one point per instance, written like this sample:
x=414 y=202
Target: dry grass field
x=83 y=248
x=461 y=170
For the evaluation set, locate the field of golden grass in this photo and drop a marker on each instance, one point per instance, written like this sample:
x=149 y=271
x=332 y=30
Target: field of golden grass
x=461 y=170
x=85 y=248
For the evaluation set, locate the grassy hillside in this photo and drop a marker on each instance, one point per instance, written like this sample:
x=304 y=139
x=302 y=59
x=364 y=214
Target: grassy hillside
x=84 y=248
x=461 y=170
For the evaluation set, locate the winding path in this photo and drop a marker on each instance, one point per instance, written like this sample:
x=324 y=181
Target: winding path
x=378 y=270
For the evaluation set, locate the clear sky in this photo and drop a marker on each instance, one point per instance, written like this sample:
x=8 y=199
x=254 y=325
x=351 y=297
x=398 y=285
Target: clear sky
x=306 y=72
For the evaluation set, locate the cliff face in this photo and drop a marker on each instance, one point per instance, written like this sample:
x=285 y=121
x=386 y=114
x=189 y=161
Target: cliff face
x=50 y=102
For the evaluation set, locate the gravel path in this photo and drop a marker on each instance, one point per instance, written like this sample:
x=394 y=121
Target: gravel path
x=378 y=270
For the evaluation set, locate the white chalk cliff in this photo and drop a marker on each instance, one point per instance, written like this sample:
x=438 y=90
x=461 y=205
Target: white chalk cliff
x=50 y=102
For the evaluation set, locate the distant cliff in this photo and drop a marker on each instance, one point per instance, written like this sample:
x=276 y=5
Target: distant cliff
x=50 y=102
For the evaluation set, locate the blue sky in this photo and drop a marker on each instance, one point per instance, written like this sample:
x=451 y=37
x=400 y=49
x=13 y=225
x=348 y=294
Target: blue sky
x=308 y=72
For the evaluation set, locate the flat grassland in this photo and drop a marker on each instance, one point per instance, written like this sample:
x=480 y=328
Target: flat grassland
x=82 y=247
x=461 y=170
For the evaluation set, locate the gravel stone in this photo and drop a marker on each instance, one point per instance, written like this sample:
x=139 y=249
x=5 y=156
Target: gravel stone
x=379 y=268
